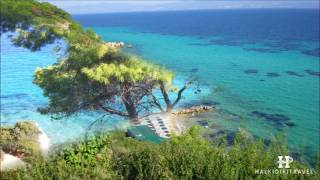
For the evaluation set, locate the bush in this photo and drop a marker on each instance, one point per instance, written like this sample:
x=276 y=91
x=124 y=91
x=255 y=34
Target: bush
x=190 y=156
x=21 y=140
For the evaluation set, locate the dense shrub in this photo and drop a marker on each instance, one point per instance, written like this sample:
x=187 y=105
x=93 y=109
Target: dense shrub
x=190 y=156
x=20 y=140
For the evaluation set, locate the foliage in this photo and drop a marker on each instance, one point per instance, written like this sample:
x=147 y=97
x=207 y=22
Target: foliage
x=21 y=140
x=91 y=74
x=125 y=81
x=133 y=70
x=56 y=168
x=36 y=24
x=89 y=153
x=190 y=156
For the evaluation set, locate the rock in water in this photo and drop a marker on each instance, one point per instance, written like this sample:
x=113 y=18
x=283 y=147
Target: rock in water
x=194 y=110
x=115 y=44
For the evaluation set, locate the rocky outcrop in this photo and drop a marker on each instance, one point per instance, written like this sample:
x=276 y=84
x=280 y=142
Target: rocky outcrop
x=115 y=44
x=194 y=110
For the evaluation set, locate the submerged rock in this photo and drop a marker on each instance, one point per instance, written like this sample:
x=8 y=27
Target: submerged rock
x=17 y=95
x=313 y=73
x=194 y=70
x=313 y=52
x=272 y=117
x=203 y=123
x=292 y=73
x=282 y=46
x=273 y=74
x=278 y=120
x=209 y=103
x=200 y=44
x=290 y=124
x=215 y=126
x=250 y=71
x=263 y=50
x=230 y=42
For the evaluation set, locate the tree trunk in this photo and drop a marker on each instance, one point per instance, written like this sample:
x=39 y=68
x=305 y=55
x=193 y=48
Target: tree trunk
x=130 y=107
x=132 y=111
x=165 y=93
x=166 y=97
x=169 y=108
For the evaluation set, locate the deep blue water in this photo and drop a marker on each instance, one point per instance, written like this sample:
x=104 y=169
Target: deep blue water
x=259 y=67
x=235 y=27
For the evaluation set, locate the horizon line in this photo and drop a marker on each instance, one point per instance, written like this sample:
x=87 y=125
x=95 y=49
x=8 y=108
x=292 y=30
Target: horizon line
x=107 y=6
x=186 y=10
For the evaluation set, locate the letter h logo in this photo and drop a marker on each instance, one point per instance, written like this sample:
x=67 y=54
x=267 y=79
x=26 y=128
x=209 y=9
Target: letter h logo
x=285 y=161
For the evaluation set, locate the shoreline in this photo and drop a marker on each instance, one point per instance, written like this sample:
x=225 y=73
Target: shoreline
x=163 y=124
x=166 y=123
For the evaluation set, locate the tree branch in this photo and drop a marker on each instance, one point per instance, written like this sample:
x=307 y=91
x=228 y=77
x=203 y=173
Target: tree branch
x=179 y=96
x=156 y=102
x=112 y=111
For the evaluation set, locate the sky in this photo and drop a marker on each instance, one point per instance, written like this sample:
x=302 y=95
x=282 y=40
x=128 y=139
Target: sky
x=113 y=6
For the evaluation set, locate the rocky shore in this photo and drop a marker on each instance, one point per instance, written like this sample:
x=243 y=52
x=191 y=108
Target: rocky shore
x=167 y=123
x=194 y=110
x=115 y=44
x=118 y=44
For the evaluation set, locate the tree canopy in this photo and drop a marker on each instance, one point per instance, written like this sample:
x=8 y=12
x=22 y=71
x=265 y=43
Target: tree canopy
x=91 y=75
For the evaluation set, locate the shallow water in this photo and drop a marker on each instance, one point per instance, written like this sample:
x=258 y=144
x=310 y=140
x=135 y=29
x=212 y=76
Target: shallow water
x=221 y=69
x=262 y=76
x=20 y=98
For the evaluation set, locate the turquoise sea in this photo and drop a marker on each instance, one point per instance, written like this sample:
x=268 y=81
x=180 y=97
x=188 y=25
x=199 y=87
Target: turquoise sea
x=260 y=68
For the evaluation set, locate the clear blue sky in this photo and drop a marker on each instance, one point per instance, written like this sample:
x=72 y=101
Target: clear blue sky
x=110 y=6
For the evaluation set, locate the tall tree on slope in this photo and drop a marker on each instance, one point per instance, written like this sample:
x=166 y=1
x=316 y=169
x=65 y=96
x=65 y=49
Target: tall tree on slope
x=91 y=75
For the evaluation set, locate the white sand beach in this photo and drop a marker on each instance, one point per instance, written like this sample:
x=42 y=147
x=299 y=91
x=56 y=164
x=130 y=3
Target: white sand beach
x=164 y=124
